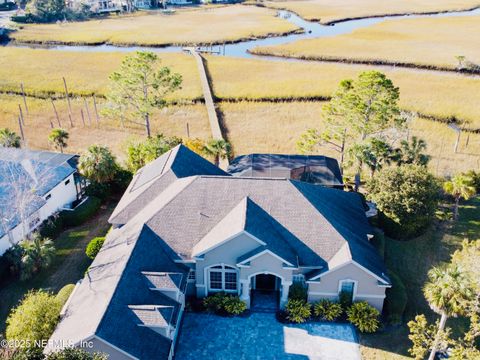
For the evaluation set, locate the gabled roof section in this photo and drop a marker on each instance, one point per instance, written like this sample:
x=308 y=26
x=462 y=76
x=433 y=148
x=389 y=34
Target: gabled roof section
x=251 y=219
x=153 y=316
x=227 y=228
x=100 y=304
x=164 y=280
x=155 y=177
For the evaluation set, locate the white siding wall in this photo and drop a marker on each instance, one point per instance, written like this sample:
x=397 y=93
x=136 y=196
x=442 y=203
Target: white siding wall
x=61 y=196
x=366 y=286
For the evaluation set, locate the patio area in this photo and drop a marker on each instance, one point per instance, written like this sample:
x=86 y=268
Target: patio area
x=260 y=336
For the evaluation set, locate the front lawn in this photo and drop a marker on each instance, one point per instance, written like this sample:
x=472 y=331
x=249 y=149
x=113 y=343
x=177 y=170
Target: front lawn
x=411 y=260
x=69 y=264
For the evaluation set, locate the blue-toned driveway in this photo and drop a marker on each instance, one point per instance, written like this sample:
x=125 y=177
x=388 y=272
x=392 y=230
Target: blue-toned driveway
x=260 y=336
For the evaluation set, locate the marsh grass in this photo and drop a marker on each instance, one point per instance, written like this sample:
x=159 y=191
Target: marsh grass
x=170 y=121
x=328 y=11
x=441 y=95
x=201 y=26
x=86 y=73
x=422 y=42
x=275 y=127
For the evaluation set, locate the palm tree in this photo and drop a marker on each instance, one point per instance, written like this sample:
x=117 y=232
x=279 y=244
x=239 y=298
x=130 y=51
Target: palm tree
x=412 y=152
x=58 y=138
x=461 y=186
x=98 y=164
x=446 y=291
x=37 y=254
x=218 y=149
x=9 y=138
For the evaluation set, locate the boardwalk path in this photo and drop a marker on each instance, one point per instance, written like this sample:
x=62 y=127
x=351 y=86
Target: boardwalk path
x=207 y=94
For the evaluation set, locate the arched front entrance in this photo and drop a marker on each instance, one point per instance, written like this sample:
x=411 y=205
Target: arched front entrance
x=265 y=292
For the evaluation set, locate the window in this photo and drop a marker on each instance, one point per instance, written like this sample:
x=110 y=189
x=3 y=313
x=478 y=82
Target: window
x=222 y=278
x=48 y=196
x=67 y=182
x=298 y=278
x=191 y=275
x=347 y=287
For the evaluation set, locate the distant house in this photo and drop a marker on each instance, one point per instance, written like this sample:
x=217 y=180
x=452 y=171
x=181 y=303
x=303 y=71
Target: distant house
x=315 y=169
x=185 y=228
x=98 y=6
x=33 y=186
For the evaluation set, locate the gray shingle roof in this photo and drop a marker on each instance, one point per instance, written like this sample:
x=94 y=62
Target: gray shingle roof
x=156 y=176
x=164 y=280
x=23 y=170
x=321 y=169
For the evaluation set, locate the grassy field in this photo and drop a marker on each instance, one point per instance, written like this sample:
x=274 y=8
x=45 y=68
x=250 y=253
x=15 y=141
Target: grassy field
x=41 y=71
x=203 y=25
x=68 y=266
x=328 y=11
x=170 y=121
x=275 y=127
x=424 y=42
x=439 y=95
x=411 y=260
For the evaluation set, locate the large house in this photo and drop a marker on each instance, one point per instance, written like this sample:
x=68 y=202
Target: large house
x=33 y=186
x=186 y=228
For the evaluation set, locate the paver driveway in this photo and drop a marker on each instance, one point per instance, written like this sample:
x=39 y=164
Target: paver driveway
x=260 y=336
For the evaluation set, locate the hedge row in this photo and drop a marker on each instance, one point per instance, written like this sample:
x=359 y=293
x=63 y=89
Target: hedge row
x=55 y=224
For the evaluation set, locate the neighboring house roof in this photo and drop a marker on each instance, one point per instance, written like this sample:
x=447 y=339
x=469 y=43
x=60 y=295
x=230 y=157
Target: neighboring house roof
x=156 y=176
x=320 y=169
x=24 y=170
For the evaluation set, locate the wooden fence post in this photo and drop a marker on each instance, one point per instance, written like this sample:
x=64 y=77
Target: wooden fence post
x=21 y=114
x=24 y=98
x=83 y=118
x=96 y=111
x=21 y=128
x=56 y=113
x=68 y=102
x=88 y=112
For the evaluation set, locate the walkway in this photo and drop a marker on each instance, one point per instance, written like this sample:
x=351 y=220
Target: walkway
x=207 y=94
x=260 y=336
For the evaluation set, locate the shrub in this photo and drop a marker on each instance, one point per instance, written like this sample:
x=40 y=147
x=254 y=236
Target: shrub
x=4 y=269
x=214 y=303
x=407 y=198
x=233 y=305
x=363 y=316
x=94 y=247
x=222 y=303
x=35 y=318
x=396 y=300
x=327 y=310
x=298 y=311
x=297 y=291
x=121 y=181
x=75 y=354
x=82 y=213
x=64 y=293
x=52 y=226
x=99 y=190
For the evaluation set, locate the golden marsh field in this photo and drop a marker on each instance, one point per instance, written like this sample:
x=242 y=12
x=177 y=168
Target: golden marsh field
x=427 y=42
x=328 y=11
x=202 y=25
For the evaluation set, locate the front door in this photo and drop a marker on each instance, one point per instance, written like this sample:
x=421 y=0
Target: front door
x=265 y=282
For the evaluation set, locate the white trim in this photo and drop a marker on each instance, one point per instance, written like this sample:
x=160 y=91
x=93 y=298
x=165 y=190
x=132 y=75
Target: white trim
x=266 y=272
x=185 y=261
x=349 y=263
x=224 y=241
x=164 y=289
x=114 y=347
x=371 y=296
x=265 y=252
x=355 y=286
x=223 y=270
x=319 y=293
x=200 y=285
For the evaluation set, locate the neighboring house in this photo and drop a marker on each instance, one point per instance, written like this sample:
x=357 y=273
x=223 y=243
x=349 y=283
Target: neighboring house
x=33 y=186
x=315 y=169
x=98 y=6
x=186 y=228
